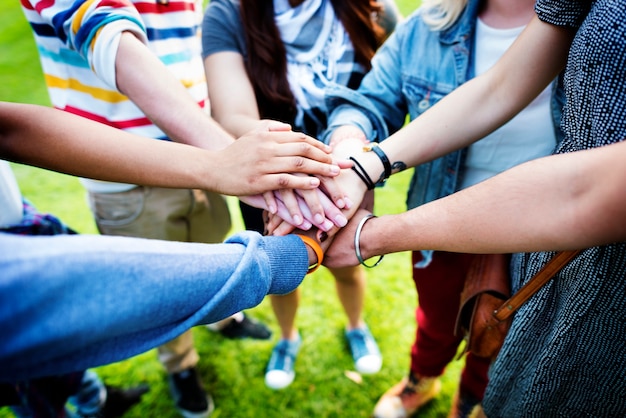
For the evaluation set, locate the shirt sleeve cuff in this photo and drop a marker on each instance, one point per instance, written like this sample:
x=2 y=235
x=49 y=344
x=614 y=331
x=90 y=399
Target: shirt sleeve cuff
x=106 y=45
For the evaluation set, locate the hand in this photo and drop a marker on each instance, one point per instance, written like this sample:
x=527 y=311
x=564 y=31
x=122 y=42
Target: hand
x=315 y=206
x=347 y=132
x=282 y=225
x=332 y=216
x=263 y=160
x=342 y=252
x=347 y=181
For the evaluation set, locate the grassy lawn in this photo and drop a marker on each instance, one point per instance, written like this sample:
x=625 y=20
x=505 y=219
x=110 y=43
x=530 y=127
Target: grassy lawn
x=232 y=371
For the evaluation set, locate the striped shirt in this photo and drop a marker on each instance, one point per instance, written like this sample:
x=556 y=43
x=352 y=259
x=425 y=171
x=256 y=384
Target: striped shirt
x=78 y=40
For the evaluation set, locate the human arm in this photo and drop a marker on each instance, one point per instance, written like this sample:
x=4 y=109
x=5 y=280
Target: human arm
x=480 y=105
x=561 y=202
x=110 y=40
x=235 y=107
x=60 y=141
x=135 y=294
x=142 y=77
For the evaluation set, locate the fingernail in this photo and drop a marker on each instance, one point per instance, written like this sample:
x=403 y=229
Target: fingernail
x=341 y=220
x=334 y=169
x=348 y=203
x=340 y=203
x=297 y=219
x=327 y=225
x=318 y=218
x=322 y=236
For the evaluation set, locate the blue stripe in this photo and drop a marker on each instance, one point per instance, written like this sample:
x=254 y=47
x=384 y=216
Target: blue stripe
x=170 y=59
x=65 y=56
x=161 y=34
x=60 y=18
x=86 y=32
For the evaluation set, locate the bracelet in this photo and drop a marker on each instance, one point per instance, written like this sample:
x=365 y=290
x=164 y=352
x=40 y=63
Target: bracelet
x=360 y=171
x=383 y=159
x=357 y=240
x=316 y=248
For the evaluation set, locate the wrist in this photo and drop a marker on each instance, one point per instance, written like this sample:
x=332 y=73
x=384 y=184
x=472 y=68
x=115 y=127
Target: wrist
x=372 y=165
x=314 y=252
x=359 y=240
x=205 y=172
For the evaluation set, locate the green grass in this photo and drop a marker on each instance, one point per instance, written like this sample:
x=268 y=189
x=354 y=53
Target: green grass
x=232 y=371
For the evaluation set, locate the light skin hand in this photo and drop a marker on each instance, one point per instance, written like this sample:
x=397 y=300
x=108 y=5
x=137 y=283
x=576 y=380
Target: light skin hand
x=276 y=225
x=282 y=216
x=234 y=106
x=314 y=206
x=346 y=132
x=316 y=209
x=347 y=181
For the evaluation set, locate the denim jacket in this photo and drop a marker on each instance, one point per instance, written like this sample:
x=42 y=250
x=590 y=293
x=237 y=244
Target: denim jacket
x=414 y=69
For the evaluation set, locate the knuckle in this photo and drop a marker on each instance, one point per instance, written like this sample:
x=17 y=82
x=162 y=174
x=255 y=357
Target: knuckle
x=283 y=181
x=299 y=162
x=305 y=148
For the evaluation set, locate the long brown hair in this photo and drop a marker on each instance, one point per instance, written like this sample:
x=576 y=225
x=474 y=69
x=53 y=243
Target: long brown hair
x=267 y=58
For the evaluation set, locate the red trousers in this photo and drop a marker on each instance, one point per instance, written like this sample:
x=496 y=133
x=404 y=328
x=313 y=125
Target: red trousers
x=439 y=287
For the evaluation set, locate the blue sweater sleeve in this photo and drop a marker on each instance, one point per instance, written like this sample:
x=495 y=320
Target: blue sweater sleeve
x=73 y=302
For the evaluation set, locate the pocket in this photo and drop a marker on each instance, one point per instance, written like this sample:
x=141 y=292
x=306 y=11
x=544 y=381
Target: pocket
x=117 y=209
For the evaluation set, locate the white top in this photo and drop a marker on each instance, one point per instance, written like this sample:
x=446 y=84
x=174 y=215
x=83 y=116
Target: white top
x=11 y=210
x=527 y=136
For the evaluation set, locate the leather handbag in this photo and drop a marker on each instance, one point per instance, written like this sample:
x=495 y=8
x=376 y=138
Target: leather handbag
x=485 y=312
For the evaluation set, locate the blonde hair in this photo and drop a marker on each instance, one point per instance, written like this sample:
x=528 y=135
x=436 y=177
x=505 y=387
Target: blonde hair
x=441 y=14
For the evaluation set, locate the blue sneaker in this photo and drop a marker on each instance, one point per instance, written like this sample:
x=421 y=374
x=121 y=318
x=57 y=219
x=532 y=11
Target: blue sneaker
x=279 y=373
x=365 y=352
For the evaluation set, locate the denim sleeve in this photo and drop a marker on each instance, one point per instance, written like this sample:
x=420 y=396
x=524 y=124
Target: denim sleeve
x=74 y=302
x=379 y=99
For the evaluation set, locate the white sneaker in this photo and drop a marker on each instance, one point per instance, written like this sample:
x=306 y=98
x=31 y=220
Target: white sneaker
x=280 y=369
x=365 y=352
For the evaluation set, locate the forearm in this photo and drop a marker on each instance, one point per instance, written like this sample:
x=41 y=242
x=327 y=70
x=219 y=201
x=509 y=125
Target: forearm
x=560 y=202
x=233 y=102
x=134 y=294
x=163 y=98
x=484 y=103
x=98 y=151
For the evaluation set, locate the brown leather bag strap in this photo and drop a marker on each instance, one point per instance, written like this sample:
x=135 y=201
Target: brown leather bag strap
x=542 y=277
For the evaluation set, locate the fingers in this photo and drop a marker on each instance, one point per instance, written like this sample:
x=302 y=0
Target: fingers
x=275 y=126
x=313 y=206
x=334 y=191
x=299 y=144
x=270 y=202
x=331 y=211
x=283 y=213
x=275 y=225
x=289 y=199
x=282 y=228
